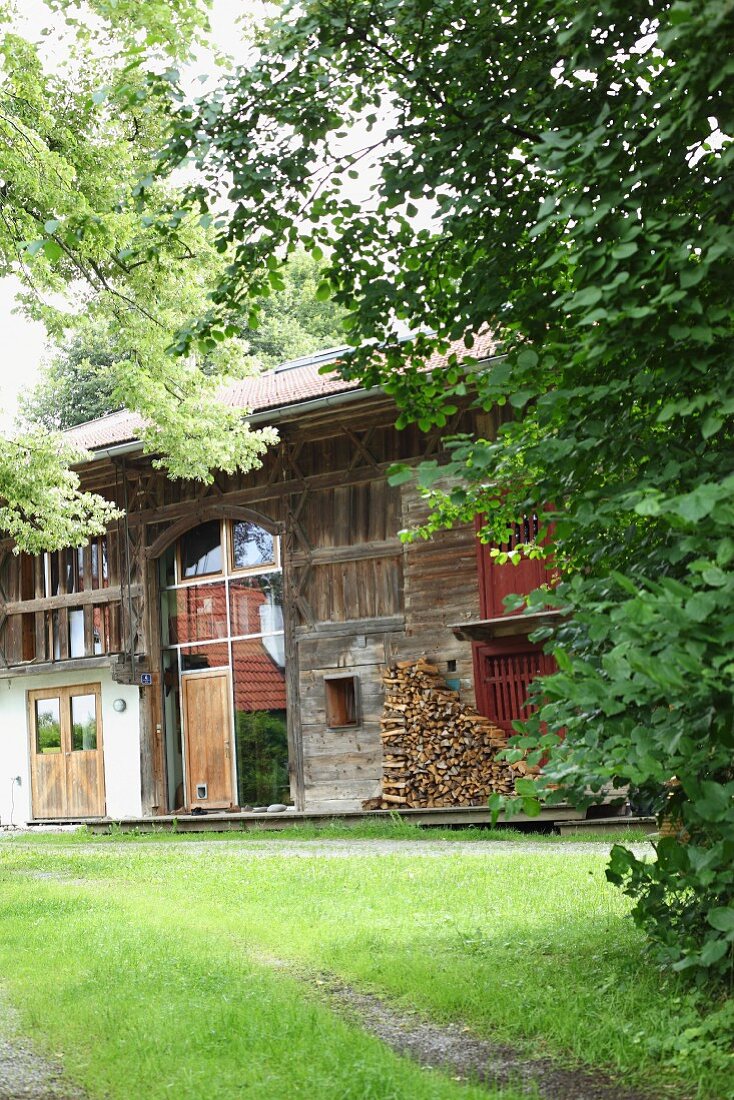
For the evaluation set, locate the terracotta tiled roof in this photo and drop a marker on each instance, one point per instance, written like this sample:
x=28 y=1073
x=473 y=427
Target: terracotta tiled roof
x=259 y=683
x=275 y=390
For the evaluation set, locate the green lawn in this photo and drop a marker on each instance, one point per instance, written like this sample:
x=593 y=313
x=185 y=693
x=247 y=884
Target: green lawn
x=149 y=965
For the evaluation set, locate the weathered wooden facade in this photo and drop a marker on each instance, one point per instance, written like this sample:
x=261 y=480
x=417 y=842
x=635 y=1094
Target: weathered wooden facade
x=223 y=646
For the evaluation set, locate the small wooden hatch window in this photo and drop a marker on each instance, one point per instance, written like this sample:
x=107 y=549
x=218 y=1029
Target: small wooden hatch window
x=341 y=701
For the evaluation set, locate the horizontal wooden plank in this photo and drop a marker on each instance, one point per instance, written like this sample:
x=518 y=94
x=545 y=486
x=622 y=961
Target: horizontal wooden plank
x=113 y=594
x=342 y=654
x=349 y=628
x=330 y=555
x=356 y=790
x=347 y=767
x=322 y=741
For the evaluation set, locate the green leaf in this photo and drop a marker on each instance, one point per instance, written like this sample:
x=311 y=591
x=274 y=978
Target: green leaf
x=323 y=291
x=527 y=358
x=713 y=951
x=623 y=251
x=589 y=296
x=401 y=475
x=53 y=250
x=722 y=918
x=521 y=398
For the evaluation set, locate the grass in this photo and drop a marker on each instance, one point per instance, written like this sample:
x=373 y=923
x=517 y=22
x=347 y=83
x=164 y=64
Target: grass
x=147 y=964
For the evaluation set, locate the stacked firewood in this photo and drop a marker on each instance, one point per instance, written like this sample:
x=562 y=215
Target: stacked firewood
x=437 y=751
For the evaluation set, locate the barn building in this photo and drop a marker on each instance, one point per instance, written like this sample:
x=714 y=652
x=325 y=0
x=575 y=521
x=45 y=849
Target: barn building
x=222 y=647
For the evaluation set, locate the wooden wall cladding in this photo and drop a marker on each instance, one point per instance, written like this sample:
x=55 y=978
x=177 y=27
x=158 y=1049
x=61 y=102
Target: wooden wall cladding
x=346 y=515
x=342 y=766
x=356 y=590
x=440 y=589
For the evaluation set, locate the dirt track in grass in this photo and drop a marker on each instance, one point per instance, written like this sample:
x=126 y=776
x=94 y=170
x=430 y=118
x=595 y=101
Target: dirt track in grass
x=456 y=1051
x=24 y=1074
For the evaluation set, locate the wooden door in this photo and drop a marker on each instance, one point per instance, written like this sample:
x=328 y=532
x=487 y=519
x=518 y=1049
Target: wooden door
x=67 y=760
x=84 y=760
x=48 y=762
x=208 y=739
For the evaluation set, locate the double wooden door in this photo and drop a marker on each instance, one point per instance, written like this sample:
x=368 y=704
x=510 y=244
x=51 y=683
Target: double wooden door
x=67 y=761
x=208 y=739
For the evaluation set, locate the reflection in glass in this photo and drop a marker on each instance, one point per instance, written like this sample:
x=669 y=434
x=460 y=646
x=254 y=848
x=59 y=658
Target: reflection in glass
x=201 y=550
x=196 y=658
x=54 y=567
x=83 y=723
x=197 y=613
x=172 y=715
x=251 y=546
x=76 y=632
x=256 y=604
x=79 y=568
x=260 y=724
x=48 y=725
x=69 y=560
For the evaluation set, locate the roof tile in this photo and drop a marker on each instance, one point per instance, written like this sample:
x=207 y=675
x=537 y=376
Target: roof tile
x=275 y=390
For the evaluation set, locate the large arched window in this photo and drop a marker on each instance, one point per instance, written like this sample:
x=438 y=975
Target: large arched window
x=222 y=608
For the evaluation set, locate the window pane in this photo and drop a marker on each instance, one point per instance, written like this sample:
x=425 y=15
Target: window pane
x=201 y=550
x=76 y=632
x=54 y=574
x=80 y=569
x=256 y=604
x=100 y=629
x=260 y=722
x=83 y=723
x=69 y=559
x=251 y=546
x=95 y=564
x=48 y=725
x=259 y=674
x=197 y=613
x=195 y=658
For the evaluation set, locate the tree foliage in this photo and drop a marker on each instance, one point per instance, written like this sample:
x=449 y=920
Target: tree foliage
x=563 y=172
x=79 y=134
x=77 y=385
x=81 y=381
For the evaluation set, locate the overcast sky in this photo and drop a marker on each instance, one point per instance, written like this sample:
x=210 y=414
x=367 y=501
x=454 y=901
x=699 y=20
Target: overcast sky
x=23 y=341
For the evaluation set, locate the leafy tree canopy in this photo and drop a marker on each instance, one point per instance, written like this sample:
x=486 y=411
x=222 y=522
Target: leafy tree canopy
x=81 y=382
x=78 y=136
x=563 y=172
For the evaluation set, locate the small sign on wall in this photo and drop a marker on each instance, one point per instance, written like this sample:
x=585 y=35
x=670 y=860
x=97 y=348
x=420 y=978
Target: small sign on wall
x=146 y=679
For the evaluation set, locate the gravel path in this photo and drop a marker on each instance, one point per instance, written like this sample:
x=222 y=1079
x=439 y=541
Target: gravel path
x=239 y=845
x=24 y=1074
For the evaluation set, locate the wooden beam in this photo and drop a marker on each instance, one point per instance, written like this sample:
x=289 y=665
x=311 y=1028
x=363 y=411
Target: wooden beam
x=332 y=555
x=73 y=599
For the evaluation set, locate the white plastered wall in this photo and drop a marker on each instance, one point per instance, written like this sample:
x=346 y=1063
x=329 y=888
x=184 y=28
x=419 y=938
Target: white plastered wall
x=120 y=738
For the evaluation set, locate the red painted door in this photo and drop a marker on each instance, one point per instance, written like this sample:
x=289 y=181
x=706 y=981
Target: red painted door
x=497 y=581
x=505 y=668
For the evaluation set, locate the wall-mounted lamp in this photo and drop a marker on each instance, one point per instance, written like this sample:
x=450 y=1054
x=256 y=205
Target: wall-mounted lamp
x=119 y=705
